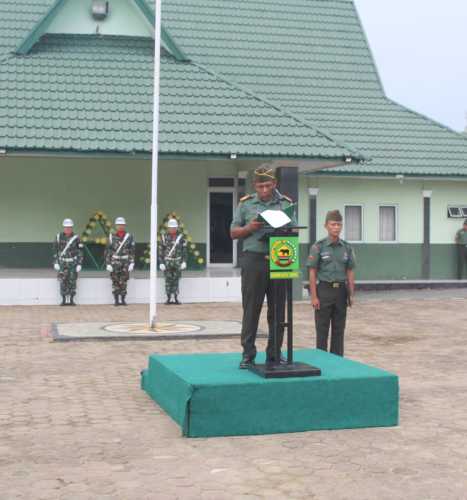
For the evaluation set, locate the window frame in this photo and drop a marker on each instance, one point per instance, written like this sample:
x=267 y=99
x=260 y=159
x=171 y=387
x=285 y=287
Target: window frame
x=396 y=223
x=362 y=222
x=462 y=207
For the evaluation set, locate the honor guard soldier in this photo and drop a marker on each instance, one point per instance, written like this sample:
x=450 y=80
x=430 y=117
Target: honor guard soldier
x=255 y=281
x=120 y=260
x=461 y=240
x=68 y=258
x=172 y=257
x=332 y=284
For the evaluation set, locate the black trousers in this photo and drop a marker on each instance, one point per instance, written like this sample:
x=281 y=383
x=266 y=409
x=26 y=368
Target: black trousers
x=332 y=313
x=255 y=286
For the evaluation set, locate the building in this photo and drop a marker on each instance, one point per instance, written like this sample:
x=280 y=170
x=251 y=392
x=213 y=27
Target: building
x=242 y=83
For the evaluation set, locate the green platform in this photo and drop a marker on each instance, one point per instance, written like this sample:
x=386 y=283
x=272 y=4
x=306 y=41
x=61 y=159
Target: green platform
x=207 y=395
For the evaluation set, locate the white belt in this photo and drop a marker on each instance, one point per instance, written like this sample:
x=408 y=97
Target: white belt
x=172 y=258
x=67 y=260
x=120 y=257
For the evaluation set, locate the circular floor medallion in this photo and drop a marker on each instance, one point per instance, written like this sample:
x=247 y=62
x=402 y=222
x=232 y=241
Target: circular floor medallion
x=143 y=328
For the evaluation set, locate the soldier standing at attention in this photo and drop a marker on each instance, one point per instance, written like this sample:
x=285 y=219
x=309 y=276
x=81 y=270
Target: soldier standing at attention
x=331 y=263
x=255 y=263
x=172 y=256
x=461 y=241
x=120 y=260
x=68 y=258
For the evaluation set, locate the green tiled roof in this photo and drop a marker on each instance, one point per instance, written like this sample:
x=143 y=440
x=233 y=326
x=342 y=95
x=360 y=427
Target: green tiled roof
x=311 y=58
x=94 y=94
x=308 y=58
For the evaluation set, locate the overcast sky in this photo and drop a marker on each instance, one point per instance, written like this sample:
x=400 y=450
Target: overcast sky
x=420 y=47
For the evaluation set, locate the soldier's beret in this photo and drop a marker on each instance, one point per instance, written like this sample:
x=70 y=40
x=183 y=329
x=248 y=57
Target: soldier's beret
x=334 y=216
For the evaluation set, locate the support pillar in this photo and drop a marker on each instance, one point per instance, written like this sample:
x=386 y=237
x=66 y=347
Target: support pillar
x=426 y=249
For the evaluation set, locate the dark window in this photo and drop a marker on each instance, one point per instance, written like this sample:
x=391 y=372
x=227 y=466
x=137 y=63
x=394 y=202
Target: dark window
x=221 y=182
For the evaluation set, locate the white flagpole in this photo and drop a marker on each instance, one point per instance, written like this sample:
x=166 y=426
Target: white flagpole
x=155 y=167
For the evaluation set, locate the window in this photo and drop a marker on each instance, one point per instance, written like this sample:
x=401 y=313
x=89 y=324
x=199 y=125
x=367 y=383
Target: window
x=387 y=223
x=221 y=182
x=353 y=224
x=457 y=211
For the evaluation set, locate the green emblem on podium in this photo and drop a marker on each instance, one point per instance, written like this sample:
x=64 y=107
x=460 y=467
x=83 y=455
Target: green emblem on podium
x=284 y=257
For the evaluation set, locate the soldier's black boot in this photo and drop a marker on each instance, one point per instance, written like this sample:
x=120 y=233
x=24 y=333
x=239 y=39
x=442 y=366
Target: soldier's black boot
x=168 y=302
x=122 y=300
x=72 y=302
x=116 y=303
x=176 y=301
x=63 y=300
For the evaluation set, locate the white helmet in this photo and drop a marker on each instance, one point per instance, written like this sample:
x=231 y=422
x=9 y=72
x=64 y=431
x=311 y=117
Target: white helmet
x=172 y=223
x=68 y=223
x=120 y=221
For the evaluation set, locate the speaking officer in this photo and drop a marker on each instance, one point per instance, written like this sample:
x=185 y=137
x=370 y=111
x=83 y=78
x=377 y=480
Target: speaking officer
x=331 y=263
x=255 y=264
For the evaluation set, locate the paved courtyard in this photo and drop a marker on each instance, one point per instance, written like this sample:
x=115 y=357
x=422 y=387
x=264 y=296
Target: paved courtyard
x=74 y=423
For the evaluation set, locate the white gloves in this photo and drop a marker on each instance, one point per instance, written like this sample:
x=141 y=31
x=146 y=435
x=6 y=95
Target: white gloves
x=183 y=266
x=131 y=267
x=56 y=267
x=78 y=268
x=109 y=268
x=162 y=267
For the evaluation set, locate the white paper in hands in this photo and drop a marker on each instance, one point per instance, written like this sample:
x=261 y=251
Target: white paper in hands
x=275 y=218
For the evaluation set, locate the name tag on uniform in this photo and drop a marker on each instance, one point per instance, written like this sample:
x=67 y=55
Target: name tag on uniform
x=325 y=256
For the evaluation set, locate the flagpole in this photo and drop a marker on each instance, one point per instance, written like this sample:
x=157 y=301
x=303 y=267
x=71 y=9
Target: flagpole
x=155 y=167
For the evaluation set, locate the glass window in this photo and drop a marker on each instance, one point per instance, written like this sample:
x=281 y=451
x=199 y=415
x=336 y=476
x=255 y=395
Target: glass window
x=387 y=223
x=454 y=212
x=353 y=226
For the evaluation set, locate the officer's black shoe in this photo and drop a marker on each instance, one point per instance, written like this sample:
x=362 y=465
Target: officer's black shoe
x=122 y=300
x=168 y=302
x=116 y=303
x=176 y=301
x=246 y=362
x=72 y=302
x=63 y=300
x=272 y=361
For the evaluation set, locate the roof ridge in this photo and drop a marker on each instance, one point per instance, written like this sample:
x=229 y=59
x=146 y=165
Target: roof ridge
x=359 y=156
x=368 y=47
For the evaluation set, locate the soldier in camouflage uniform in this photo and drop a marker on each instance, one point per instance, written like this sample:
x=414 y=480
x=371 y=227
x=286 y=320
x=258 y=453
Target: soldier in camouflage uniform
x=68 y=258
x=172 y=257
x=120 y=260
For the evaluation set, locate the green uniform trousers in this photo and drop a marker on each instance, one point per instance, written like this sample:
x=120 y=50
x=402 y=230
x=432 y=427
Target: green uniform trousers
x=120 y=276
x=68 y=278
x=462 y=261
x=332 y=313
x=172 y=276
x=255 y=286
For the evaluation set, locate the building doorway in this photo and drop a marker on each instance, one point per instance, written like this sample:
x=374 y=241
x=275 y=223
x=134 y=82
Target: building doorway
x=221 y=248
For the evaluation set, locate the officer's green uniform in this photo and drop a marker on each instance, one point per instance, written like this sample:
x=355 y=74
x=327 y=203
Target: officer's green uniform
x=172 y=253
x=255 y=274
x=332 y=260
x=120 y=256
x=461 y=240
x=68 y=253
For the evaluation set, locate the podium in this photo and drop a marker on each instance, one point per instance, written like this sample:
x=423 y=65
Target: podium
x=284 y=266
